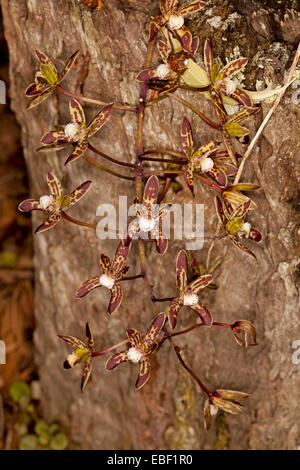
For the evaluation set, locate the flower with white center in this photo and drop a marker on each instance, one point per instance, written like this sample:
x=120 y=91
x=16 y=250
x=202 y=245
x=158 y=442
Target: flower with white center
x=47 y=202
x=72 y=359
x=146 y=225
x=71 y=130
x=230 y=86
x=206 y=164
x=106 y=281
x=163 y=71
x=175 y=22
x=134 y=355
x=245 y=230
x=190 y=299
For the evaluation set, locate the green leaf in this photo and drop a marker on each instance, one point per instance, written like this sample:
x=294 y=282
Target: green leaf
x=54 y=428
x=235 y=129
x=28 y=442
x=19 y=389
x=8 y=259
x=41 y=427
x=59 y=442
x=195 y=76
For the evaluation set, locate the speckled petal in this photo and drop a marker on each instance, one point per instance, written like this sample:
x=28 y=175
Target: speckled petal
x=134 y=337
x=105 y=263
x=173 y=310
x=75 y=196
x=116 y=359
x=200 y=283
x=87 y=286
x=99 y=120
x=144 y=373
x=50 y=223
x=181 y=270
x=115 y=298
x=30 y=205
x=86 y=374
x=54 y=185
x=120 y=257
x=203 y=313
x=154 y=330
x=79 y=150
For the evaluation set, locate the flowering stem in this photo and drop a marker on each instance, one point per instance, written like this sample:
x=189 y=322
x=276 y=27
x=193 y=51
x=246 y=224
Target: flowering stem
x=120 y=107
x=165 y=190
x=166 y=299
x=131 y=278
x=107 y=170
x=173 y=153
x=226 y=325
x=163 y=160
x=201 y=385
x=195 y=110
x=210 y=183
x=77 y=222
x=105 y=351
x=107 y=157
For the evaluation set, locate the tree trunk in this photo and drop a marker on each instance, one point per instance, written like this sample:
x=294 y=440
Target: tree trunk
x=167 y=413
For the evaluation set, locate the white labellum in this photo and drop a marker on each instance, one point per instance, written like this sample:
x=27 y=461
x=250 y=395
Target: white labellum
x=134 y=355
x=106 y=281
x=206 y=164
x=175 y=22
x=190 y=299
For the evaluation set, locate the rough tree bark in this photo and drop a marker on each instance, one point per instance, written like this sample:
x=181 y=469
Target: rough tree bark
x=167 y=412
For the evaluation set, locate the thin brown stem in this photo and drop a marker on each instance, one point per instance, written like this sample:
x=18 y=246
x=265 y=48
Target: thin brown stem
x=195 y=110
x=173 y=153
x=77 y=222
x=107 y=157
x=132 y=278
x=165 y=190
x=105 y=351
x=165 y=299
x=107 y=170
x=201 y=385
x=120 y=107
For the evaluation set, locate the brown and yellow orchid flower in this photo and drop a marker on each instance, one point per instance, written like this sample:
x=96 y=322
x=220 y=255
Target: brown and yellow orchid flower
x=233 y=196
x=77 y=132
x=46 y=79
x=140 y=349
x=172 y=17
x=149 y=216
x=82 y=354
x=244 y=333
x=112 y=273
x=207 y=159
x=225 y=400
x=188 y=293
x=166 y=76
x=236 y=227
x=55 y=204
